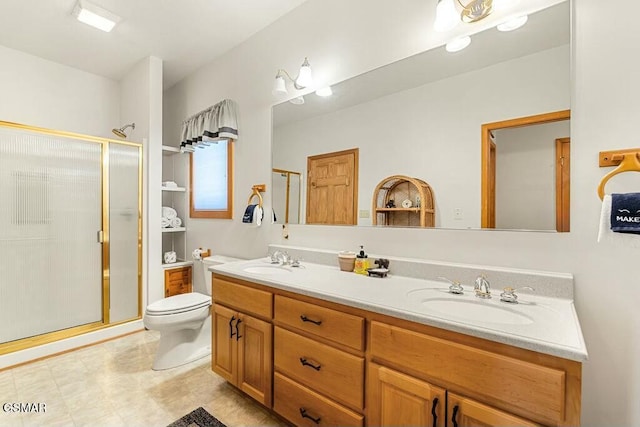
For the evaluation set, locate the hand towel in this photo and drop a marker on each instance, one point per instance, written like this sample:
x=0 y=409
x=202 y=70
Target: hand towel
x=258 y=215
x=175 y=222
x=168 y=212
x=606 y=235
x=164 y=222
x=247 y=218
x=625 y=213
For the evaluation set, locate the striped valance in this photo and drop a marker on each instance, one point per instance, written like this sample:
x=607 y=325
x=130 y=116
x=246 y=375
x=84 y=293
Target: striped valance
x=219 y=121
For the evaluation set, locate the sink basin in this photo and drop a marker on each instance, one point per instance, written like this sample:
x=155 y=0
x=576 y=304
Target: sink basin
x=265 y=269
x=474 y=311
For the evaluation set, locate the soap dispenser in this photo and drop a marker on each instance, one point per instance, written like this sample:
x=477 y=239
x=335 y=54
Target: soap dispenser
x=362 y=262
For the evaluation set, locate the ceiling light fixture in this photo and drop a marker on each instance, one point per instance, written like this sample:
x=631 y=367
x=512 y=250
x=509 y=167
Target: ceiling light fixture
x=458 y=44
x=303 y=80
x=324 y=91
x=513 y=23
x=450 y=12
x=95 y=16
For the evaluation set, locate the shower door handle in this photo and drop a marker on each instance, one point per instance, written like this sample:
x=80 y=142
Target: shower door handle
x=100 y=236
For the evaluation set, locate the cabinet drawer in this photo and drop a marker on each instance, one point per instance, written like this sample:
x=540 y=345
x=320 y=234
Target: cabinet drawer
x=331 y=324
x=243 y=298
x=293 y=400
x=320 y=367
x=533 y=388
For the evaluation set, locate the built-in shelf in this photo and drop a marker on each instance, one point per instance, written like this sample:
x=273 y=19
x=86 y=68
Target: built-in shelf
x=179 y=263
x=179 y=189
x=173 y=229
x=168 y=150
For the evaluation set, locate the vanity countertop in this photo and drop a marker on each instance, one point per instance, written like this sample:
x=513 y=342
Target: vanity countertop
x=539 y=323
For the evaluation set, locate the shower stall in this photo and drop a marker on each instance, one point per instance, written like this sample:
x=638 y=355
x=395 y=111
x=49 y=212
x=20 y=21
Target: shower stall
x=70 y=234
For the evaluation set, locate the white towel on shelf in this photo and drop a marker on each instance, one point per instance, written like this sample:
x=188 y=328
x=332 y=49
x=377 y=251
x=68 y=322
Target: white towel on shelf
x=605 y=235
x=168 y=212
x=175 y=222
x=169 y=184
x=164 y=222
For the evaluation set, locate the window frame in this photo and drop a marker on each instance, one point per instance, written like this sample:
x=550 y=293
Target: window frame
x=218 y=213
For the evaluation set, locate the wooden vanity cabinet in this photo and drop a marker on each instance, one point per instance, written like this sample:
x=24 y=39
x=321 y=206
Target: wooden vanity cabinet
x=465 y=412
x=242 y=343
x=319 y=364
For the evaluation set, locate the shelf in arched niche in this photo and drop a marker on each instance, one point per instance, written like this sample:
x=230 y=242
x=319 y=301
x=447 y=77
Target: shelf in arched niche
x=401 y=200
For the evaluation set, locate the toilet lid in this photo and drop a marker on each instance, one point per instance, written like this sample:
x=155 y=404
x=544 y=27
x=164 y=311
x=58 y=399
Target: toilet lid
x=179 y=303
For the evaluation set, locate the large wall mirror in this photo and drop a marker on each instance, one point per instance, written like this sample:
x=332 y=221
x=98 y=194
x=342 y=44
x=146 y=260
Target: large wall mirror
x=423 y=117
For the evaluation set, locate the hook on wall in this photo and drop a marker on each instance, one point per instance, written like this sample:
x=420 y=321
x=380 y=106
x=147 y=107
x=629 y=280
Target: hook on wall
x=627 y=161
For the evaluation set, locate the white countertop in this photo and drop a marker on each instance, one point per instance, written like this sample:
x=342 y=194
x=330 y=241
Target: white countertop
x=543 y=324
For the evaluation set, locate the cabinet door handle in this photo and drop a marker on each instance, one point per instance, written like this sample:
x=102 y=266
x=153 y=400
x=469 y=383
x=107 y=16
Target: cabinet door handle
x=304 y=362
x=306 y=319
x=303 y=413
x=433 y=412
x=231 y=333
x=454 y=416
x=238 y=336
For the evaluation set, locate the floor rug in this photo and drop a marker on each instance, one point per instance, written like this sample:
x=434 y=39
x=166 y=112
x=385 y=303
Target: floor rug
x=197 y=418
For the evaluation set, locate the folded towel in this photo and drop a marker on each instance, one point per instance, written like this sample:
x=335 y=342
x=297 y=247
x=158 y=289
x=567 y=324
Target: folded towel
x=164 y=222
x=168 y=212
x=170 y=257
x=175 y=222
x=169 y=184
x=605 y=234
x=625 y=213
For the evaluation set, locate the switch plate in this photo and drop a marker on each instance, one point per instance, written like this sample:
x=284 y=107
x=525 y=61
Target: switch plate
x=458 y=214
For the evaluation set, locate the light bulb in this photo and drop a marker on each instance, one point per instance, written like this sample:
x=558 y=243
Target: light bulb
x=279 y=86
x=305 y=79
x=446 y=16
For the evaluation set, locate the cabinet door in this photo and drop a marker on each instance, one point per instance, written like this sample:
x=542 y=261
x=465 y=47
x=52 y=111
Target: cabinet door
x=224 y=354
x=255 y=362
x=464 y=412
x=396 y=399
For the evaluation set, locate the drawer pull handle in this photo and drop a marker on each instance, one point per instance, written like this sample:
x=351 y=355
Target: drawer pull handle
x=238 y=336
x=433 y=412
x=231 y=333
x=304 y=362
x=303 y=413
x=306 y=319
x=454 y=416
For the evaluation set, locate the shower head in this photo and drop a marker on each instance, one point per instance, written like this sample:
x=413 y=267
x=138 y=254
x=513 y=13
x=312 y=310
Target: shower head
x=120 y=132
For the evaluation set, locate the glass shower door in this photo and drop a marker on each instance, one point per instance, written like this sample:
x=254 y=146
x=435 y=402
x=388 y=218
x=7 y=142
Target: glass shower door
x=50 y=217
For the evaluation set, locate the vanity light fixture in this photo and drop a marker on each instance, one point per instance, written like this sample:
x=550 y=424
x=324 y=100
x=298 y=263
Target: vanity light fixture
x=513 y=23
x=324 y=91
x=303 y=80
x=450 y=12
x=95 y=16
x=458 y=44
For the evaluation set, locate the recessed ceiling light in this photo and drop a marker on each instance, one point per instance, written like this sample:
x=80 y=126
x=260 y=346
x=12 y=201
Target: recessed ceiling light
x=95 y=16
x=512 y=24
x=325 y=91
x=458 y=44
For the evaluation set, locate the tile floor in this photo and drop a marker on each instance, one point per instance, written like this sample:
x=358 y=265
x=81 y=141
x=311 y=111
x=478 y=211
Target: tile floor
x=112 y=384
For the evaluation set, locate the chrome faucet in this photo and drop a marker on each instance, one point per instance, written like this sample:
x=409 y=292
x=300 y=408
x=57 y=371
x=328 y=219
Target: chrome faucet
x=280 y=257
x=455 y=287
x=509 y=294
x=482 y=287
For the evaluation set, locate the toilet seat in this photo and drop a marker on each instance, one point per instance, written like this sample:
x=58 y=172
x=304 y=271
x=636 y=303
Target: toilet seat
x=178 y=304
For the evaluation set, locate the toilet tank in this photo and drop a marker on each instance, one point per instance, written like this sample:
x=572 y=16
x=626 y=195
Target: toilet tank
x=208 y=262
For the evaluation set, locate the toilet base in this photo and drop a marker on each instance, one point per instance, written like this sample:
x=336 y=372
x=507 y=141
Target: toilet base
x=180 y=347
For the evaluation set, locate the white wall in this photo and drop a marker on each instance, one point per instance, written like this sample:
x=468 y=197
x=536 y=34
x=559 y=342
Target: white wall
x=343 y=39
x=526 y=175
x=45 y=94
x=431 y=132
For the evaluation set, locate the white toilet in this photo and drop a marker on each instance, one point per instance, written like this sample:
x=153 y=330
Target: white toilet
x=184 y=321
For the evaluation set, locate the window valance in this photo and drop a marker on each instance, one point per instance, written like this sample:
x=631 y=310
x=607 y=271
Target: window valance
x=219 y=121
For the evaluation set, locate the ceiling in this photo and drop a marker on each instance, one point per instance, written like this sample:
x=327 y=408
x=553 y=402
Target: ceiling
x=185 y=34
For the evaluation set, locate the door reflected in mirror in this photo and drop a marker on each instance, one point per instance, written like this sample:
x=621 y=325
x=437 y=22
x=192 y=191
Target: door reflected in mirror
x=422 y=116
x=286 y=196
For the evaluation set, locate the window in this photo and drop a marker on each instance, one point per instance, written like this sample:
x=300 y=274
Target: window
x=211 y=181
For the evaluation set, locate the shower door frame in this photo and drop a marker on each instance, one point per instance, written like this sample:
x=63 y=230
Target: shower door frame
x=48 y=337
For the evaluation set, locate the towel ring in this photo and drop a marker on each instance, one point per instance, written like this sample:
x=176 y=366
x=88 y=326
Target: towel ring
x=628 y=163
x=255 y=192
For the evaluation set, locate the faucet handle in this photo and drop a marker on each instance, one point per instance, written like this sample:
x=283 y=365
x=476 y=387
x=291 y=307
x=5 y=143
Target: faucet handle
x=509 y=294
x=455 y=287
x=482 y=287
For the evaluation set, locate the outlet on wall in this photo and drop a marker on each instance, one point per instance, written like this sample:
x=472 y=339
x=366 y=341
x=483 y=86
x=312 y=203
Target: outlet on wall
x=457 y=213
